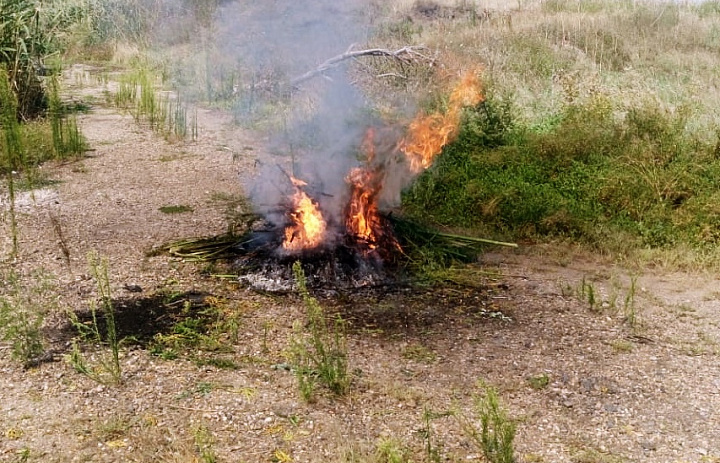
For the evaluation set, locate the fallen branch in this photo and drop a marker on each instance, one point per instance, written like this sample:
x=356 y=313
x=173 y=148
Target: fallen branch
x=406 y=55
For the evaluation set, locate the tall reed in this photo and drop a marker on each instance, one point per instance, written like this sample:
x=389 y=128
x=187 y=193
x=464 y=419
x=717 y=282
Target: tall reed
x=13 y=154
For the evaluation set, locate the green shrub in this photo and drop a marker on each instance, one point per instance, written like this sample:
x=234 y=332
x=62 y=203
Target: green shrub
x=593 y=169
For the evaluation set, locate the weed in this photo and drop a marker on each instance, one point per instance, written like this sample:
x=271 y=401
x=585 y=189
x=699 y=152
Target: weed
x=66 y=136
x=105 y=368
x=419 y=353
x=22 y=329
x=267 y=326
x=22 y=313
x=165 y=113
x=26 y=302
x=497 y=431
x=114 y=428
x=595 y=456
x=629 y=308
x=621 y=345
x=319 y=355
x=202 y=327
x=433 y=449
x=389 y=450
x=179 y=209
x=587 y=291
x=13 y=155
x=538 y=382
x=204 y=442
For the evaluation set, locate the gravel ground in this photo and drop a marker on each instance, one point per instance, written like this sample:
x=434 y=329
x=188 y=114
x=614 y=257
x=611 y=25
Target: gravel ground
x=633 y=377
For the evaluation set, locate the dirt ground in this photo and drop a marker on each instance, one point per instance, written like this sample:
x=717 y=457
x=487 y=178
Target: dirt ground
x=596 y=362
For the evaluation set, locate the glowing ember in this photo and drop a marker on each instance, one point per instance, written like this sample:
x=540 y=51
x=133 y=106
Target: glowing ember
x=429 y=133
x=307 y=227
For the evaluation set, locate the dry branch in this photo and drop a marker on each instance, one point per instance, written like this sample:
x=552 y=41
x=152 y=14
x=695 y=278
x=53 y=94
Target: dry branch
x=406 y=55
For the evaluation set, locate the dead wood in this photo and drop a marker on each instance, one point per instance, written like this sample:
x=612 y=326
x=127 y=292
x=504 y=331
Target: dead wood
x=405 y=55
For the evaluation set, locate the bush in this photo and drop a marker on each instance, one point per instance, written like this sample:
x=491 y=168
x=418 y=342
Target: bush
x=592 y=169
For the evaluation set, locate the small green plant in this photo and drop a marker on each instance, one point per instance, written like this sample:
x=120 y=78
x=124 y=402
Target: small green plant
x=419 y=353
x=204 y=442
x=164 y=113
x=22 y=329
x=177 y=209
x=66 y=136
x=21 y=456
x=106 y=368
x=23 y=308
x=389 y=450
x=497 y=431
x=538 y=382
x=432 y=449
x=587 y=292
x=319 y=355
x=621 y=345
x=631 y=316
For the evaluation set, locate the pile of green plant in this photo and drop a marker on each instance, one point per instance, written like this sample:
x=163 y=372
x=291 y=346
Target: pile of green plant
x=595 y=172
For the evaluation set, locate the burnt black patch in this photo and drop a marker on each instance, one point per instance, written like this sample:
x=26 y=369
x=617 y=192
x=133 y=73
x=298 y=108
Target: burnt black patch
x=138 y=320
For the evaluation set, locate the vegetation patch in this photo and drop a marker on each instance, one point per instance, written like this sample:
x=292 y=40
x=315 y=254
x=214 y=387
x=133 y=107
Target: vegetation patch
x=614 y=178
x=175 y=209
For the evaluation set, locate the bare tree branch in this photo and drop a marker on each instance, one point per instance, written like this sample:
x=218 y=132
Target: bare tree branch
x=406 y=54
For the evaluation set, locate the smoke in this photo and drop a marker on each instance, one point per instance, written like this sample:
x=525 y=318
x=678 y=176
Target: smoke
x=323 y=124
x=252 y=51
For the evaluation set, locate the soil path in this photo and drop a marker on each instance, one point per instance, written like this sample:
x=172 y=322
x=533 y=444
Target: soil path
x=597 y=363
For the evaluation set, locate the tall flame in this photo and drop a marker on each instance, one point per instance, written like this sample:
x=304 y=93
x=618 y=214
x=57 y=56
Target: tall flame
x=307 y=227
x=365 y=183
x=429 y=133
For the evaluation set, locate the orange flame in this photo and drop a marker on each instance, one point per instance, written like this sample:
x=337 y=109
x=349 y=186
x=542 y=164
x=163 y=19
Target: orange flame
x=307 y=228
x=365 y=184
x=429 y=133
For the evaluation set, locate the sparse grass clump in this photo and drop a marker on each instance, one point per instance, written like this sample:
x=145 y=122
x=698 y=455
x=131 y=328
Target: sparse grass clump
x=318 y=352
x=66 y=136
x=496 y=434
x=24 y=304
x=104 y=367
x=164 y=112
x=175 y=209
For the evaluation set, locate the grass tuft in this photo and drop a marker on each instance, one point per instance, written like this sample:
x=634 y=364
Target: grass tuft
x=318 y=355
x=496 y=435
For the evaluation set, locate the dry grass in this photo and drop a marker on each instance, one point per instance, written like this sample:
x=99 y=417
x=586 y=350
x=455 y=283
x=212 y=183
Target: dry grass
x=631 y=52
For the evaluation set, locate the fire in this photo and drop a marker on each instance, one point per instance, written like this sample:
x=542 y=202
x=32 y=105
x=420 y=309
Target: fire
x=429 y=133
x=426 y=136
x=307 y=228
x=365 y=184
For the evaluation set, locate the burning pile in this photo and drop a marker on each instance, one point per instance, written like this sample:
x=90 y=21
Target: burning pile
x=363 y=226
x=356 y=244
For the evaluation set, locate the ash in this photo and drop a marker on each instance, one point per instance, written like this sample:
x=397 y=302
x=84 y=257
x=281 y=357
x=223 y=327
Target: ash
x=266 y=267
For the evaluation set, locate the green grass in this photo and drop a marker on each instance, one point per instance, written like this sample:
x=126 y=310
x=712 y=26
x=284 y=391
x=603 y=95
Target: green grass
x=103 y=367
x=139 y=92
x=612 y=177
x=319 y=353
x=496 y=434
x=25 y=302
x=175 y=209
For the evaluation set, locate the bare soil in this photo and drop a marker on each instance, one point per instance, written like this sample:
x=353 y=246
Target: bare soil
x=596 y=362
